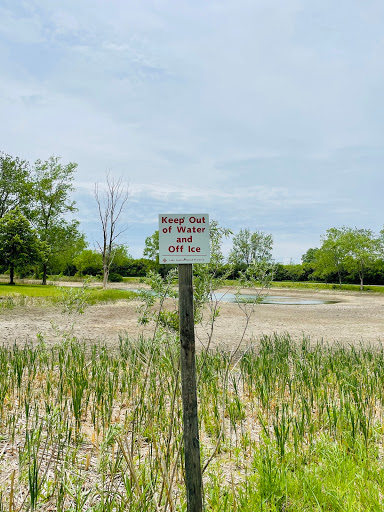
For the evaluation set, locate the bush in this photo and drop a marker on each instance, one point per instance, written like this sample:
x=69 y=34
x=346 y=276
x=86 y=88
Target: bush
x=115 y=278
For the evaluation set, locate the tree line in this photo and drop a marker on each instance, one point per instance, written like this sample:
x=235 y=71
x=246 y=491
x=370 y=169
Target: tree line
x=346 y=255
x=35 y=234
x=37 y=238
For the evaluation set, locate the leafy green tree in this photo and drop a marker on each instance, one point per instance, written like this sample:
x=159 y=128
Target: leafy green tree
x=121 y=261
x=207 y=277
x=294 y=271
x=52 y=185
x=330 y=258
x=120 y=255
x=67 y=242
x=151 y=249
x=15 y=184
x=19 y=243
x=309 y=264
x=348 y=250
x=216 y=235
x=89 y=262
x=363 y=249
x=248 y=247
x=375 y=272
x=310 y=255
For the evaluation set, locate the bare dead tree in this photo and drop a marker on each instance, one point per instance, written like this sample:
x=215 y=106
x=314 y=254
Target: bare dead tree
x=111 y=203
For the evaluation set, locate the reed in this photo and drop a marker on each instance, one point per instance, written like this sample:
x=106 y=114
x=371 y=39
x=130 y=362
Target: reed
x=288 y=426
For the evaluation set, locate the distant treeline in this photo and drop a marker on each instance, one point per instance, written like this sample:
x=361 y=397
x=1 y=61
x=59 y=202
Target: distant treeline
x=89 y=263
x=307 y=272
x=38 y=238
x=374 y=274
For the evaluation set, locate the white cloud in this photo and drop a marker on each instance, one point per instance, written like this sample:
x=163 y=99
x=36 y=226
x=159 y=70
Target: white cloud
x=265 y=115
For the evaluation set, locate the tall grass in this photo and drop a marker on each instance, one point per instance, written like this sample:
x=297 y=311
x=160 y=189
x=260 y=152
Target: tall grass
x=288 y=426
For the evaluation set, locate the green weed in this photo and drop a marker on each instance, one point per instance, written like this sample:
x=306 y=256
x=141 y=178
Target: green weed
x=289 y=426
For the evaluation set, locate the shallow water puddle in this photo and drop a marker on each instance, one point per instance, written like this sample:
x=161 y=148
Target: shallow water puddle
x=272 y=299
x=268 y=299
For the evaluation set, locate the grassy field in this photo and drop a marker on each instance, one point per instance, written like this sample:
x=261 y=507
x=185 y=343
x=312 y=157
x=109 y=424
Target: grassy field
x=285 y=428
x=36 y=290
x=23 y=294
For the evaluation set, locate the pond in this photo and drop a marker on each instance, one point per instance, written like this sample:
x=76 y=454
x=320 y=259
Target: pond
x=271 y=299
x=268 y=299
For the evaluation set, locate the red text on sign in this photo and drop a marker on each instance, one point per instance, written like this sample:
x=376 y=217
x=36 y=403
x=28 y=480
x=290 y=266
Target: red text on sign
x=193 y=229
x=177 y=220
x=179 y=248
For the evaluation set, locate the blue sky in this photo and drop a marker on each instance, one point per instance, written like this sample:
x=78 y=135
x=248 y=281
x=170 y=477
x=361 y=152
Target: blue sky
x=265 y=114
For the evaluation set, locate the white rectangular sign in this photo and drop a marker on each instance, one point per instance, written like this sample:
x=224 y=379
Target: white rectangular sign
x=184 y=238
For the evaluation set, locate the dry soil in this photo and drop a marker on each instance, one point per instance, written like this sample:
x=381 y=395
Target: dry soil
x=356 y=318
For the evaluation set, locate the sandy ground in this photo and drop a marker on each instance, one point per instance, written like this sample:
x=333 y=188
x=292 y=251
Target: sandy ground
x=356 y=318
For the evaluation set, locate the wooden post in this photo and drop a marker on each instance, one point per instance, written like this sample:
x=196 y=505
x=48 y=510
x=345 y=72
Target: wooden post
x=189 y=392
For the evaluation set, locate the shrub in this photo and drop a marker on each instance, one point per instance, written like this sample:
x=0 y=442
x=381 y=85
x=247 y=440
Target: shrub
x=115 y=278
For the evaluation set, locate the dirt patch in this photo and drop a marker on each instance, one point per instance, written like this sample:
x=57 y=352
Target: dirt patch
x=356 y=318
